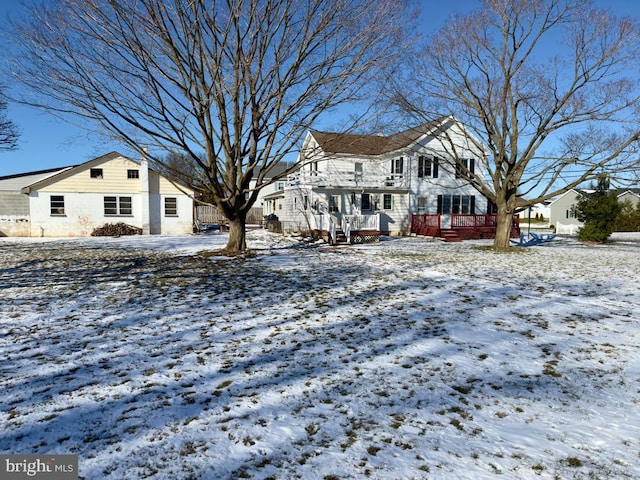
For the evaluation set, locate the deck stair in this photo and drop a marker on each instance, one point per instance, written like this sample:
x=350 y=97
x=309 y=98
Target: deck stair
x=341 y=238
x=450 y=236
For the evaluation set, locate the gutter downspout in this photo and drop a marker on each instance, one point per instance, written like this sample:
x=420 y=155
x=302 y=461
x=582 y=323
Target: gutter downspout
x=144 y=193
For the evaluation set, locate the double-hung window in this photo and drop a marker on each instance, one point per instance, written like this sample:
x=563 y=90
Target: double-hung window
x=422 y=204
x=397 y=166
x=365 y=200
x=117 y=206
x=57 y=205
x=334 y=202
x=427 y=167
x=464 y=167
x=387 y=201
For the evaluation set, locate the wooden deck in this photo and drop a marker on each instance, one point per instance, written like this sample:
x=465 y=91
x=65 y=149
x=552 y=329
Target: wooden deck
x=466 y=227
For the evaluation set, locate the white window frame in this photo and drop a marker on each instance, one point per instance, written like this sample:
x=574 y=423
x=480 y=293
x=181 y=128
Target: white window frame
x=386 y=196
x=118 y=205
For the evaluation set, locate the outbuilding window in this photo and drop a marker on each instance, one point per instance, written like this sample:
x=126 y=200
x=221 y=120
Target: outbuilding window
x=57 y=205
x=171 y=207
x=117 y=206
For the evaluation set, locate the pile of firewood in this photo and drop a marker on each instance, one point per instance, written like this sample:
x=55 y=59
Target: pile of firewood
x=115 y=230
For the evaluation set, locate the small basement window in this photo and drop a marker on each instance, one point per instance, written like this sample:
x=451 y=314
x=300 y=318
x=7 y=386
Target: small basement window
x=96 y=173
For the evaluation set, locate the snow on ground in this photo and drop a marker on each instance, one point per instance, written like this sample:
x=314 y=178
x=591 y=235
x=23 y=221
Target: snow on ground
x=408 y=359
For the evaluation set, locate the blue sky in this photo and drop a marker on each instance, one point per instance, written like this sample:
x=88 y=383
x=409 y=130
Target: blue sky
x=48 y=142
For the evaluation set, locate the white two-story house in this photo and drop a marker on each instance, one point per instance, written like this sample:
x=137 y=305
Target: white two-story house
x=367 y=185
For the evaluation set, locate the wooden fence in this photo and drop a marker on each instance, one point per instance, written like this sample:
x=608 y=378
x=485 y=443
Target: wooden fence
x=209 y=214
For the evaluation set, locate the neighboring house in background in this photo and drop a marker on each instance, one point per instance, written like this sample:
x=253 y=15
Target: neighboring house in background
x=630 y=194
x=562 y=212
x=72 y=201
x=209 y=214
x=375 y=183
x=540 y=209
x=274 y=190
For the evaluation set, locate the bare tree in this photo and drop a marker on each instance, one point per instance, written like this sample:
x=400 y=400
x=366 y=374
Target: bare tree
x=547 y=88
x=240 y=80
x=8 y=131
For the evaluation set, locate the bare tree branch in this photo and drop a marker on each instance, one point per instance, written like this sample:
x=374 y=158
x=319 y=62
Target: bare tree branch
x=9 y=133
x=550 y=88
x=240 y=80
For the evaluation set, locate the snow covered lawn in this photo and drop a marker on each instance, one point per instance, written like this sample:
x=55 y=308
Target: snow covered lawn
x=409 y=359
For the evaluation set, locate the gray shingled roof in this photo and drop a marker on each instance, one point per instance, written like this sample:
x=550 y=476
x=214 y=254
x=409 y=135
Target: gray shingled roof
x=18 y=181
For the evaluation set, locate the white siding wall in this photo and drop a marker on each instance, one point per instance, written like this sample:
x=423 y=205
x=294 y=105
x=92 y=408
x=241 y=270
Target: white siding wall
x=397 y=219
x=630 y=196
x=84 y=201
x=85 y=211
x=446 y=183
x=82 y=213
x=376 y=171
x=560 y=210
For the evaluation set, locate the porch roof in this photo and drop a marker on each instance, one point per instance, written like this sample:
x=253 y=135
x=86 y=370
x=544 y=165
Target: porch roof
x=274 y=195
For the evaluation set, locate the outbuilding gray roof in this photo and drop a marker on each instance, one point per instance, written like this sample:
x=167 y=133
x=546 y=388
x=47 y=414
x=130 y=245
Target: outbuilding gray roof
x=15 y=183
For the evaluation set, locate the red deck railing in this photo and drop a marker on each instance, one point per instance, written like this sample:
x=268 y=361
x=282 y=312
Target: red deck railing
x=425 y=224
x=467 y=226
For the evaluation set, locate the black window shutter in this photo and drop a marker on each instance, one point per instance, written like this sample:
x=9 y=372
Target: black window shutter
x=472 y=165
x=439 y=204
x=420 y=167
x=472 y=205
x=435 y=168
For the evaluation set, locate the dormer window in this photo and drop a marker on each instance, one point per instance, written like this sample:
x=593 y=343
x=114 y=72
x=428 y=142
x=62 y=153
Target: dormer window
x=96 y=173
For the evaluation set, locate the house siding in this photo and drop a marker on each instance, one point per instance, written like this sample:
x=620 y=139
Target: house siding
x=29 y=213
x=560 y=211
x=83 y=212
x=14 y=215
x=632 y=197
x=114 y=179
x=327 y=174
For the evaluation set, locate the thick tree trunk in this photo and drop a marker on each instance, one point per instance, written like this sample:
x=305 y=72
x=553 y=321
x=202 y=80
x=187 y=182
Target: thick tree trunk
x=237 y=235
x=503 y=229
